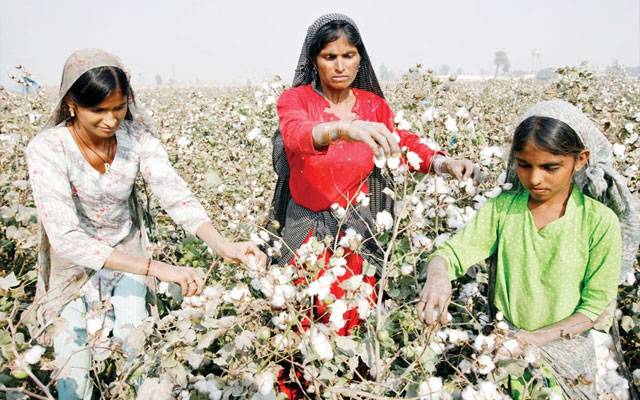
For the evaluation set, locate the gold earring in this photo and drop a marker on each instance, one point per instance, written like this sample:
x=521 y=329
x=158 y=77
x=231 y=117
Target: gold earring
x=72 y=113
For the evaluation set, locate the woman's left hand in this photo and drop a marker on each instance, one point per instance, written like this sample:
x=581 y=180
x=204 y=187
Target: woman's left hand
x=245 y=252
x=459 y=169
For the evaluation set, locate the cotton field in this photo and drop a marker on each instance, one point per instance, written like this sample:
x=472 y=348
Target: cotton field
x=251 y=324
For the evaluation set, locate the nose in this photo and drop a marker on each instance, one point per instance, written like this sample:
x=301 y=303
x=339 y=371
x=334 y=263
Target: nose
x=110 y=120
x=536 y=177
x=339 y=65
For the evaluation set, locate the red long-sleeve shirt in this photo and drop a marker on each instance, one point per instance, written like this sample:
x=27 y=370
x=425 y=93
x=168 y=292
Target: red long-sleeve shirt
x=338 y=172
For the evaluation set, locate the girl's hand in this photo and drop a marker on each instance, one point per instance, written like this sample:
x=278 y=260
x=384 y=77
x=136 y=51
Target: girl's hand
x=459 y=169
x=245 y=252
x=374 y=134
x=436 y=294
x=189 y=279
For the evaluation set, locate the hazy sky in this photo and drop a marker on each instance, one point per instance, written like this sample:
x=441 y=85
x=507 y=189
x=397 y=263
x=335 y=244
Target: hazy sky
x=222 y=42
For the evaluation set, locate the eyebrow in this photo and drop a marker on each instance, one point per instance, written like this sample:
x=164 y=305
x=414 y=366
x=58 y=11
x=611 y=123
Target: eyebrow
x=119 y=105
x=551 y=164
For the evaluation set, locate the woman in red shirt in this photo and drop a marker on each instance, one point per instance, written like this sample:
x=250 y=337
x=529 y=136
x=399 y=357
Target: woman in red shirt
x=333 y=121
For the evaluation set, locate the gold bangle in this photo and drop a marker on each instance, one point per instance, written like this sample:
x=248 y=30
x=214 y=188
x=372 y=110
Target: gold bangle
x=342 y=130
x=146 y=273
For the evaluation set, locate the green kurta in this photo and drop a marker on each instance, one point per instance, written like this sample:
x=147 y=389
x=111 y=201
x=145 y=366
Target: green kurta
x=543 y=276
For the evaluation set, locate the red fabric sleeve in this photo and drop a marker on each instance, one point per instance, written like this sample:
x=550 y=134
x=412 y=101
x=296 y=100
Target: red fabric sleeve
x=408 y=139
x=295 y=124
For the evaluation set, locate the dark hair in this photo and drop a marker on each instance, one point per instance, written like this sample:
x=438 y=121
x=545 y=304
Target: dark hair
x=548 y=134
x=331 y=32
x=95 y=85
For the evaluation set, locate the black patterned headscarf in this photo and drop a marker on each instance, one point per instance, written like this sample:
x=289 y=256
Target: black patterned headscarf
x=305 y=74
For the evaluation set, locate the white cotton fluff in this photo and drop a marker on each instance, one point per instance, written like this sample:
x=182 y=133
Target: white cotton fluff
x=264 y=382
x=485 y=364
x=33 y=355
x=384 y=221
x=431 y=389
x=209 y=387
x=414 y=160
x=618 y=150
x=321 y=345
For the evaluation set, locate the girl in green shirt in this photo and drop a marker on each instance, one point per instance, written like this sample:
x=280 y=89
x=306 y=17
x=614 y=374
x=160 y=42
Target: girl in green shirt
x=555 y=251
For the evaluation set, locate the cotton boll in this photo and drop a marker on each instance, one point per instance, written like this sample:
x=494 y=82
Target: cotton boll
x=430 y=389
x=34 y=354
x=465 y=366
x=321 y=344
x=393 y=162
x=450 y=124
x=618 y=150
x=264 y=382
x=495 y=192
x=430 y=114
x=94 y=324
x=384 y=221
x=337 y=308
x=380 y=162
x=406 y=269
x=414 y=160
x=485 y=364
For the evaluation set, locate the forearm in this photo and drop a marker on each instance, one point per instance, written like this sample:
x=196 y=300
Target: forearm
x=568 y=327
x=212 y=238
x=120 y=261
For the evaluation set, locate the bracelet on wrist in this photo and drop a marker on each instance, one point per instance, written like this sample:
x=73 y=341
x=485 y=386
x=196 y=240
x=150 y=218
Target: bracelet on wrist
x=343 y=132
x=146 y=272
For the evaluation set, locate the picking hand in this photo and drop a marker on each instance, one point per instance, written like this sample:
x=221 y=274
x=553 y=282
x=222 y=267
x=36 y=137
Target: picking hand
x=245 y=252
x=189 y=279
x=435 y=296
x=375 y=134
x=459 y=169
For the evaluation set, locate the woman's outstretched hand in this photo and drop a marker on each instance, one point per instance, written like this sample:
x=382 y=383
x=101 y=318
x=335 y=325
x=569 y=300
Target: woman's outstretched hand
x=246 y=253
x=375 y=134
x=460 y=169
x=189 y=279
x=436 y=294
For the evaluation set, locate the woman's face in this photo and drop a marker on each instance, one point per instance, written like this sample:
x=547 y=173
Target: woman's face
x=546 y=175
x=103 y=120
x=338 y=64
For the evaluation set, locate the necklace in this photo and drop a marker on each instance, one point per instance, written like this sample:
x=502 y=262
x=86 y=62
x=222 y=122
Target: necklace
x=105 y=161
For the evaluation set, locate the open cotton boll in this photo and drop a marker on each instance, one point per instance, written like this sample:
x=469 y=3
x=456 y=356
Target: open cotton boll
x=618 y=150
x=450 y=124
x=414 y=160
x=384 y=221
x=209 y=387
x=264 y=382
x=33 y=355
x=321 y=344
x=485 y=364
x=380 y=162
x=430 y=114
x=431 y=389
x=393 y=162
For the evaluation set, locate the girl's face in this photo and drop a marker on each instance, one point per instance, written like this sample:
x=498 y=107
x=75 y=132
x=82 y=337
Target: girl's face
x=102 y=121
x=337 y=64
x=545 y=175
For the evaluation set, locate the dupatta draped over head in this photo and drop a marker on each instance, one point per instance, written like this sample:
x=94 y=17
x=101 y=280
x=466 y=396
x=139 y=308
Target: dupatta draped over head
x=77 y=64
x=284 y=210
x=598 y=179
